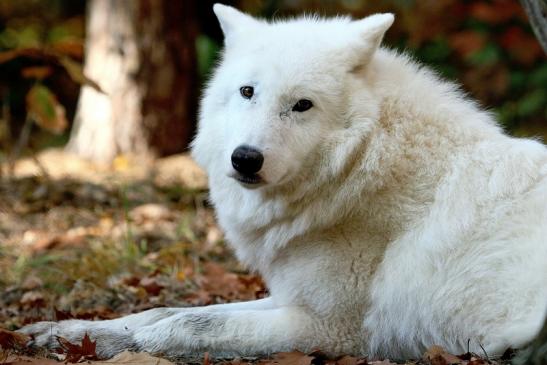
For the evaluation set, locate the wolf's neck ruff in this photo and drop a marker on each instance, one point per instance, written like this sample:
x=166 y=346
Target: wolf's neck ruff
x=372 y=170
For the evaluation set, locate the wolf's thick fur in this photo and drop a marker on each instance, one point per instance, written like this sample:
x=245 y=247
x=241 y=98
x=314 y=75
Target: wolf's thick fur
x=393 y=215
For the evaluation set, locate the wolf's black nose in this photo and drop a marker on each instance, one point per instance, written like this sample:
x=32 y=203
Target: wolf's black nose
x=247 y=160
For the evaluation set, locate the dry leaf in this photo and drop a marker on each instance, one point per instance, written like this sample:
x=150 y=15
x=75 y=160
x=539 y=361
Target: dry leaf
x=32 y=282
x=36 y=72
x=151 y=285
x=227 y=285
x=293 y=358
x=350 y=360
x=25 y=360
x=134 y=358
x=33 y=299
x=436 y=355
x=12 y=340
x=74 y=353
x=150 y=212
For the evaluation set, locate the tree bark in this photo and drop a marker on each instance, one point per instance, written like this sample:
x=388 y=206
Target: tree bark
x=537 y=13
x=141 y=53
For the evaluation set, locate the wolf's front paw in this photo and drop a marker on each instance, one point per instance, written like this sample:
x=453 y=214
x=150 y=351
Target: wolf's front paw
x=109 y=338
x=44 y=334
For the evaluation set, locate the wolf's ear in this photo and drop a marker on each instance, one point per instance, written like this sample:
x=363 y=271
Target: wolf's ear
x=371 y=30
x=231 y=19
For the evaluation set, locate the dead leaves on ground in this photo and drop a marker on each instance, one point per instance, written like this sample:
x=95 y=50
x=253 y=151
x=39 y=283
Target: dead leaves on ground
x=435 y=355
x=12 y=340
x=12 y=343
x=318 y=358
x=125 y=357
x=216 y=282
x=133 y=358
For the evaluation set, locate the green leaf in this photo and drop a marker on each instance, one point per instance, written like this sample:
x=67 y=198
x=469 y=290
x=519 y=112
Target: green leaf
x=487 y=55
x=207 y=51
x=44 y=109
x=532 y=102
x=538 y=77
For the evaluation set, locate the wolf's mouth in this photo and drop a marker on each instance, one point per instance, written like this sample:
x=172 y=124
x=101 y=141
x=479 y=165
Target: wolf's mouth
x=253 y=179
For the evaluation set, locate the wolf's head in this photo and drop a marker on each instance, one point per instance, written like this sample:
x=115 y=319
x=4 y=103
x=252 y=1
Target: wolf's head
x=281 y=90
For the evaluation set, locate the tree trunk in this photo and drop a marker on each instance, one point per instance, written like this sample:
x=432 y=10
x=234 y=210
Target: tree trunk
x=141 y=53
x=537 y=13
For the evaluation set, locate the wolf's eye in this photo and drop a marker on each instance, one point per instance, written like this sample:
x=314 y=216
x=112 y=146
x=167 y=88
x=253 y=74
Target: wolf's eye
x=302 y=105
x=247 y=91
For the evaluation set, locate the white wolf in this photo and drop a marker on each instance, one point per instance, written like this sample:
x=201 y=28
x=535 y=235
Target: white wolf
x=385 y=211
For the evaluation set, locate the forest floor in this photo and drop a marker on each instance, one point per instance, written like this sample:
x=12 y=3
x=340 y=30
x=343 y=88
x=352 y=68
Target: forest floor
x=90 y=242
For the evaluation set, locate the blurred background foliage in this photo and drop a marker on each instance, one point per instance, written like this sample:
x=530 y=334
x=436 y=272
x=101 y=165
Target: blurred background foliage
x=487 y=45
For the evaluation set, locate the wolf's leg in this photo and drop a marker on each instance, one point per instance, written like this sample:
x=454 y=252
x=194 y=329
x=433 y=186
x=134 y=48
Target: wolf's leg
x=230 y=333
x=115 y=335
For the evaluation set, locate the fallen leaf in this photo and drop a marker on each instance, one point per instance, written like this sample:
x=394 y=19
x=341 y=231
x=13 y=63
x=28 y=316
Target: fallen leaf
x=62 y=315
x=293 y=358
x=33 y=299
x=12 y=340
x=477 y=361
x=74 y=353
x=32 y=282
x=25 y=360
x=227 y=285
x=151 y=285
x=135 y=358
x=237 y=361
x=436 y=355
x=150 y=212
x=350 y=360
x=383 y=362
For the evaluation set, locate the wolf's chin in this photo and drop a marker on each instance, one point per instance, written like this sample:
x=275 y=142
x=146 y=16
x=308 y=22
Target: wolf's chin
x=253 y=181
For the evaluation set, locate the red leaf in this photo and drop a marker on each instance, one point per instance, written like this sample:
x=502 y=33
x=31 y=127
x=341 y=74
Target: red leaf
x=86 y=351
x=62 y=315
x=12 y=340
x=467 y=42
